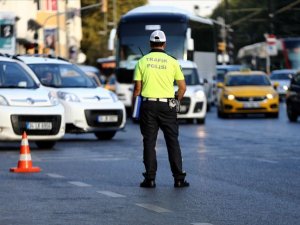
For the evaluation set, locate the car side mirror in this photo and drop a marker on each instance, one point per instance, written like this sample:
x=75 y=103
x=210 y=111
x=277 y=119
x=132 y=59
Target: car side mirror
x=275 y=85
x=220 y=85
x=205 y=81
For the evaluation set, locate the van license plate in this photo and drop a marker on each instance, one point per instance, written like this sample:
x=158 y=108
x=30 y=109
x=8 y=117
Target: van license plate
x=108 y=118
x=38 y=125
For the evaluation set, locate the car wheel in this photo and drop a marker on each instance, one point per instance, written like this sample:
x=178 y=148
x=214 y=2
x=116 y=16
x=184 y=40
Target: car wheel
x=291 y=115
x=45 y=144
x=135 y=121
x=221 y=114
x=189 y=121
x=105 y=135
x=208 y=107
x=272 y=115
x=200 y=121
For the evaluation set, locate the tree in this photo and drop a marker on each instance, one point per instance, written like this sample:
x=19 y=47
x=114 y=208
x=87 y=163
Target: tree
x=250 y=19
x=96 y=26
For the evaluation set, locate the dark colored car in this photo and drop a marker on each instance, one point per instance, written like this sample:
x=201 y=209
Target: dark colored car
x=293 y=98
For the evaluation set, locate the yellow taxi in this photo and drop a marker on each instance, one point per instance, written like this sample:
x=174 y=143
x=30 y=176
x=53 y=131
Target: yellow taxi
x=245 y=92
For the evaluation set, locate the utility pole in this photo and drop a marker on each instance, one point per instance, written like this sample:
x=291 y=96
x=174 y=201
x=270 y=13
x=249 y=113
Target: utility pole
x=229 y=32
x=115 y=12
x=57 y=31
x=271 y=32
x=270 y=17
x=222 y=57
x=226 y=12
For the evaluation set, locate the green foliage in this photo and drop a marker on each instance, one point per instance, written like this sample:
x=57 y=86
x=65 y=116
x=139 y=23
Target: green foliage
x=95 y=29
x=252 y=30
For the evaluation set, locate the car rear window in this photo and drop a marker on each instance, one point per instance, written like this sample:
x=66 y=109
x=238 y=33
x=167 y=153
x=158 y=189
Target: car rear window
x=245 y=80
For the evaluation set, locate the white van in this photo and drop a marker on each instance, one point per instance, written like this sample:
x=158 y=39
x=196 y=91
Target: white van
x=25 y=105
x=194 y=103
x=88 y=108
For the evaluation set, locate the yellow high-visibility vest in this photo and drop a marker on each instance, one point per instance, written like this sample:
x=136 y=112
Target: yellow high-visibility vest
x=158 y=71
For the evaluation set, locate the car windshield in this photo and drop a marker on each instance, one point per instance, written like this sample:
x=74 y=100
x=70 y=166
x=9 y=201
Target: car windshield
x=281 y=76
x=190 y=76
x=13 y=75
x=247 y=80
x=62 y=76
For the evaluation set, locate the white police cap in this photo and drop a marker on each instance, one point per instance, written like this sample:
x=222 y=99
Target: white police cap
x=158 y=36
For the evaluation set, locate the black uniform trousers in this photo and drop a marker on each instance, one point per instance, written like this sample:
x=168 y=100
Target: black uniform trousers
x=155 y=115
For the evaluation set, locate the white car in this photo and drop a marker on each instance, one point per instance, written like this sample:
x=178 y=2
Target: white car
x=25 y=105
x=93 y=73
x=194 y=103
x=283 y=78
x=88 y=108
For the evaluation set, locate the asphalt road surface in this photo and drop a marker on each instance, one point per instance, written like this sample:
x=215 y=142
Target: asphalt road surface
x=242 y=171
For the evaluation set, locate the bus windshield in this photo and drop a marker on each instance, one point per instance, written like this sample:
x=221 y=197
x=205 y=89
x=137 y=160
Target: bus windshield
x=134 y=40
x=132 y=48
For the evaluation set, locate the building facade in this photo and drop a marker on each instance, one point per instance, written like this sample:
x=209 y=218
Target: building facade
x=42 y=26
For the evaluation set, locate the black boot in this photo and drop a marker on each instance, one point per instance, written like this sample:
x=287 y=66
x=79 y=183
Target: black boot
x=147 y=183
x=181 y=183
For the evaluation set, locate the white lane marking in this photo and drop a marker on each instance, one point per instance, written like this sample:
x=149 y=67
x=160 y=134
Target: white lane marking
x=79 y=184
x=153 y=208
x=267 y=160
x=201 y=224
x=53 y=175
x=36 y=159
x=111 y=194
x=108 y=159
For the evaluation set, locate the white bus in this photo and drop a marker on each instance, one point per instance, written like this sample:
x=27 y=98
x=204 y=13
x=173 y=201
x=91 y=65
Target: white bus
x=189 y=37
x=287 y=55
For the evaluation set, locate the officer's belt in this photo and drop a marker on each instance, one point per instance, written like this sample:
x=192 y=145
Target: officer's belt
x=155 y=99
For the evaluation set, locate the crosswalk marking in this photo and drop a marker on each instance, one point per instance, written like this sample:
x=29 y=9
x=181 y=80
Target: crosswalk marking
x=201 y=224
x=54 y=175
x=153 y=208
x=111 y=194
x=79 y=184
x=267 y=160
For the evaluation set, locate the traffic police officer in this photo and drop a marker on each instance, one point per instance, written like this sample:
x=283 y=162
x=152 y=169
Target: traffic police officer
x=154 y=80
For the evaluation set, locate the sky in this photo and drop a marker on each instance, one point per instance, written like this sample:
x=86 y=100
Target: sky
x=205 y=7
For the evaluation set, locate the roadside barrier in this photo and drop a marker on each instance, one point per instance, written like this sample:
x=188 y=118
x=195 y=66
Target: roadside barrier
x=25 y=163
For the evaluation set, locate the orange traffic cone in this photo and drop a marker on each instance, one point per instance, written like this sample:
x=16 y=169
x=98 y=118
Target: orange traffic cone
x=25 y=163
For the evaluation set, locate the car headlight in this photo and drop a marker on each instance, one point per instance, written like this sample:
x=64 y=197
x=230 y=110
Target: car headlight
x=271 y=96
x=113 y=96
x=53 y=99
x=67 y=96
x=229 y=97
x=199 y=94
x=3 y=101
